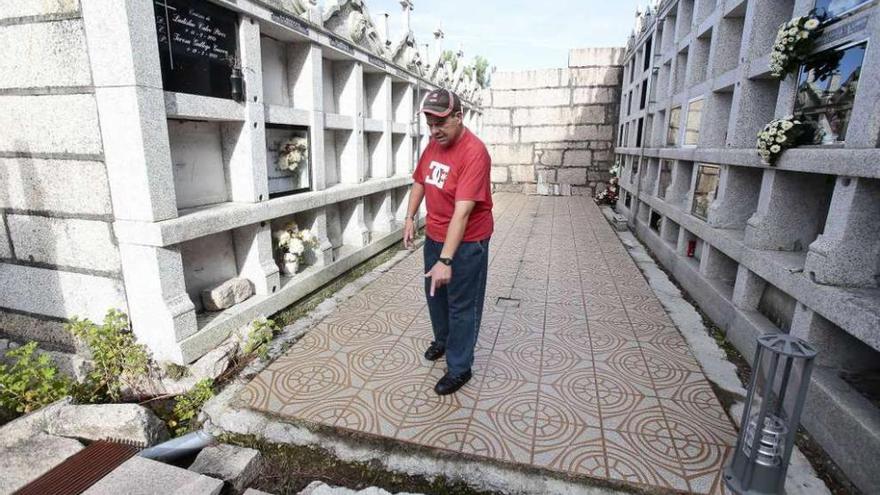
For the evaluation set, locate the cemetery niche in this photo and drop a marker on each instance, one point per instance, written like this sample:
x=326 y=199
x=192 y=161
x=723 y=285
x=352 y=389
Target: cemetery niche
x=827 y=90
x=197 y=48
x=288 y=159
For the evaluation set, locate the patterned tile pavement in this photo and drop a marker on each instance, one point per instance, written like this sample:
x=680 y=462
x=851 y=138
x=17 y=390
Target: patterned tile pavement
x=578 y=368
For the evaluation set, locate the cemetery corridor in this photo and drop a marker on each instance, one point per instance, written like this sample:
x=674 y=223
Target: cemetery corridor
x=579 y=370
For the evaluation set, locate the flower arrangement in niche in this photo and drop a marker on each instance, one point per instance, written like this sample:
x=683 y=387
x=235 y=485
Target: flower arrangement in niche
x=292 y=245
x=609 y=195
x=781 y=134
x=794 y=41
x=293 y=153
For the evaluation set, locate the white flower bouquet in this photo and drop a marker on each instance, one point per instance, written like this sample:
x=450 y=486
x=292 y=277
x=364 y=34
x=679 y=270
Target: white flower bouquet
x=794 y=41
x=781 y=134
x=292 y=245
x=293 y=153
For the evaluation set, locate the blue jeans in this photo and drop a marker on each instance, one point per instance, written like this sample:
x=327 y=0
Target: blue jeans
x=457 y=308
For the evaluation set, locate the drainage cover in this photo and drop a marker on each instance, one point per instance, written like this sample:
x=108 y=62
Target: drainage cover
x=507 y=302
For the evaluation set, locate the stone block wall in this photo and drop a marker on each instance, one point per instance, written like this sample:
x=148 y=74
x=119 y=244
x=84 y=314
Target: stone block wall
x=58 y=252
x=552 y=131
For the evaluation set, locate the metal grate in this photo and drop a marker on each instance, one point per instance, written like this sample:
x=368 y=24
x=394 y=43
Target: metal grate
x=507 y=302
x=82 y=470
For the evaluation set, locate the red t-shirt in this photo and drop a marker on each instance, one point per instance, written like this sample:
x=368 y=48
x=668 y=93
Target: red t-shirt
x=457 y=173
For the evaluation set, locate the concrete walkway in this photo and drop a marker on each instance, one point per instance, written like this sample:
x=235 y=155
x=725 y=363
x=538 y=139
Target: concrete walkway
x=579 y=370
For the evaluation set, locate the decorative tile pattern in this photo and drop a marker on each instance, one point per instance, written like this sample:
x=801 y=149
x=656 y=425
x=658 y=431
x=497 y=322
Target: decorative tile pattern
x=586 y=376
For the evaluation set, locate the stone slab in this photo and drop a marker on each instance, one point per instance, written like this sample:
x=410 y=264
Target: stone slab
x=594 y=95
x=510 y=154
x=496 y=116
x=50 y=333
x=531 y=98
x=499 y=174
x=30 y=425
x=321 y=488
x=29 y=459
x=139 y=476
x=130 y=422
x=236 y=466
x=50 y=124
x=85 y=244
x=59 y=293
x=565 y=133
x=529 y=79
x=227 y=294
x=586 y=57
x=598 y=76
x=594 y=114
x=58 y=186
x=44 y=54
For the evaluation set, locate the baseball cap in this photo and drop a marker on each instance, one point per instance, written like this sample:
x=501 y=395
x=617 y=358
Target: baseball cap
x=442 y=103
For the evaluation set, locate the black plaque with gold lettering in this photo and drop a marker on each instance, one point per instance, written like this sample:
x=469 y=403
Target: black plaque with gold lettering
x=197 y=45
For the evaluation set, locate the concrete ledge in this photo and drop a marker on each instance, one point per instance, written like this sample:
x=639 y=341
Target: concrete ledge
x=818 y=160
x=199 y=222
x=281 y=114
x=187 y=106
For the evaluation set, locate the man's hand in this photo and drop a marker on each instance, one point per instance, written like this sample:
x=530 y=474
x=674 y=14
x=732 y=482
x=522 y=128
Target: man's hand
x=440 y=275
x=409 y=233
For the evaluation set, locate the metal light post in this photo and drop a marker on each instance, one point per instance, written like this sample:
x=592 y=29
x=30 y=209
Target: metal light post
x=771 y=416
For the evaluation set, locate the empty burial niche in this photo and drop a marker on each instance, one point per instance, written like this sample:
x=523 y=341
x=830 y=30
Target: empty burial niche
x=680 y=76
x=207 y=262
x=669 y=231
x=644 y=212
x=699 y=58
x=685 y=19
x=719 y=266
x=376 y=155
x=729 y=40
x=200 y=160
x=400 y=105
x=286 y=73
x=777 y=306
x=664 y=178
x=375 y=99
x=627 y=199
x=689 y=245
x=656 y=220
x=339 y=87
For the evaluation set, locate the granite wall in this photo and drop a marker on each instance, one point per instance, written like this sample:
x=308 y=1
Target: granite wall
x=552 y=131
x=58 y=252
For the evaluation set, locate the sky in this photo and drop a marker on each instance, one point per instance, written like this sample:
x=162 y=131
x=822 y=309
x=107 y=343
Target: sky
x=516 y=34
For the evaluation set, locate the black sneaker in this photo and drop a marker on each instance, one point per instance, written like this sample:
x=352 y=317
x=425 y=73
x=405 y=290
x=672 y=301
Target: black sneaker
x=450 y=384
x=434 y=351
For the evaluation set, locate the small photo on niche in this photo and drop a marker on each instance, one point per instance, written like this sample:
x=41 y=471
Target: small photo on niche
x=288 y=159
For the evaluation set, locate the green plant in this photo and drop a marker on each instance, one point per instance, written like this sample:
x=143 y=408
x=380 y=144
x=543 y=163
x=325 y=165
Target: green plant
x=176 y=371
x=262 y=331
x=117 y=358
x=188 y=406
x=32 y=381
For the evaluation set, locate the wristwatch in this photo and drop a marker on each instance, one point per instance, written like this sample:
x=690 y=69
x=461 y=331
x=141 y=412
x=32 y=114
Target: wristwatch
x=445 y=261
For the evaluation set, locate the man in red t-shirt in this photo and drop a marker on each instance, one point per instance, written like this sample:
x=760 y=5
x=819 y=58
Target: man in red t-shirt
x=453 y=177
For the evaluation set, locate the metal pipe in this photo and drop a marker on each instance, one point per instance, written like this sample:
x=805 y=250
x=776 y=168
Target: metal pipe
x=179 y=447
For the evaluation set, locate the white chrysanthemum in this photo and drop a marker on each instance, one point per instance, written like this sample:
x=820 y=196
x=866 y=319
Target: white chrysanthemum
x=786 y=125
x=296 y=246
x=803 y=35
x=290 y=258
x=775 y=148
x=792 y=31
x=811 y=24
x=308 y=236
x=780 y=138
x=284 y=238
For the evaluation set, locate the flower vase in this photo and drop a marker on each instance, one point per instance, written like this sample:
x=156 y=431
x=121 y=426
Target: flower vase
x=290 y=268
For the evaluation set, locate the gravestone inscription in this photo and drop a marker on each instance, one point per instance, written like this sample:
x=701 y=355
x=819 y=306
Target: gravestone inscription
x=197 y=46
